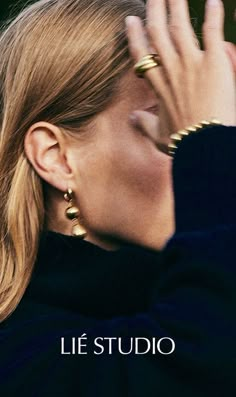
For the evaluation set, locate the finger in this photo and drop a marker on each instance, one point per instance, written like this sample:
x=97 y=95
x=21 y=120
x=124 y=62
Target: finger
x=139 y=47
x=145 y=122
x=158 y=31
x=180 y=26
x=138 y=44
x=213 y=27
x=230 y=49
x=158 y=77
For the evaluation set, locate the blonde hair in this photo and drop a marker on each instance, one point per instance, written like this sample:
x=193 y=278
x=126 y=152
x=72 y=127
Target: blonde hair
x=60 y=62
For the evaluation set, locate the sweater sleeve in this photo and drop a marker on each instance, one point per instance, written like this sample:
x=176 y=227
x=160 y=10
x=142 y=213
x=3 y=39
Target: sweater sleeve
x=205 y=179
x=194 y=299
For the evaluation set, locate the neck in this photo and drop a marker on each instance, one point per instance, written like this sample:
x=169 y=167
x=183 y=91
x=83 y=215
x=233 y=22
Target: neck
x=151 y=231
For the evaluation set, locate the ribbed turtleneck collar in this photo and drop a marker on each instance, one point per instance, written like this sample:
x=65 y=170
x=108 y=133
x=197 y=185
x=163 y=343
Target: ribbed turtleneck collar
x=79 y=276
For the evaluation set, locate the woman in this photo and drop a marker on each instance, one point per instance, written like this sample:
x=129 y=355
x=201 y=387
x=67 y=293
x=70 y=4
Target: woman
x=67 y=141
x=71 y=76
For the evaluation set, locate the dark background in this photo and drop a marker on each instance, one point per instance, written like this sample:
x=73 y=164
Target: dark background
x=11 y=7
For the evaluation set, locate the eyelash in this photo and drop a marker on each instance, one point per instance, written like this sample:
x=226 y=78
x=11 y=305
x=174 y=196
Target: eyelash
x=153 y=109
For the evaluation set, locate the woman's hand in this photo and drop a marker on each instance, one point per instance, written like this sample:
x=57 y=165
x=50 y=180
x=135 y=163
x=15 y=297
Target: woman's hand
x=192 y=85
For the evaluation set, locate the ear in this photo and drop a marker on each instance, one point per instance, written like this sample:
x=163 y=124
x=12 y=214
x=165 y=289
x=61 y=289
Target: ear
x=45 y=148
x=230 y=48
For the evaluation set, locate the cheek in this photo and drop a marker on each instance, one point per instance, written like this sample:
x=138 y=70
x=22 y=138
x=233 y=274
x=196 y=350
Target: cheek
x=148 y=173
x=119 y=172
x=141 y=166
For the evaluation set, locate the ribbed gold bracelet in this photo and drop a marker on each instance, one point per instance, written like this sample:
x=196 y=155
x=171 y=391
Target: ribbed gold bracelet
x=179 y=136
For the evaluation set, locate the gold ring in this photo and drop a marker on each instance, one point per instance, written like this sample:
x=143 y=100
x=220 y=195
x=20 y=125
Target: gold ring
x=146 y=62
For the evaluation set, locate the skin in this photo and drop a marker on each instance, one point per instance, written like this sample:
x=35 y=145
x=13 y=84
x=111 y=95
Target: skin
x=208 y=91
x=121 y=182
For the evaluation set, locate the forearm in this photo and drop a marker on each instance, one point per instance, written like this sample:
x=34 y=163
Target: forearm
x=204 y=178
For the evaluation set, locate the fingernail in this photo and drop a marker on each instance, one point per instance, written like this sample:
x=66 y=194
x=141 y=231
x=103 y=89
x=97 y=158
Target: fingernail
x=129 y=20
x=213 y=3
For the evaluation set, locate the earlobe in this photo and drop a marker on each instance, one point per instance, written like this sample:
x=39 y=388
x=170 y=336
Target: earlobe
x=45 y=149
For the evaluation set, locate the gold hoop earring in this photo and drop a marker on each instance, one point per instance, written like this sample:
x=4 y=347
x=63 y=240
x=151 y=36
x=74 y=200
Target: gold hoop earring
x=72 y=212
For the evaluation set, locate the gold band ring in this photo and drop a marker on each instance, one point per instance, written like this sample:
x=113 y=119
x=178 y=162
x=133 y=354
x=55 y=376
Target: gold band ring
x=146 y=62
